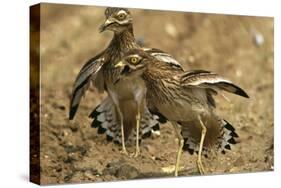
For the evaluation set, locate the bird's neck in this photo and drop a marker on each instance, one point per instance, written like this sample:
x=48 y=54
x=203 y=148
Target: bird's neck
x=124 y=39
x=152 y=76
x=159 y=70
x=162 y=86
x=160 y=75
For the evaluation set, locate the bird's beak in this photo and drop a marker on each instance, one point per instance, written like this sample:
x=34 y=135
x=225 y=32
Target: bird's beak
x=105 y=25
x=120 y=64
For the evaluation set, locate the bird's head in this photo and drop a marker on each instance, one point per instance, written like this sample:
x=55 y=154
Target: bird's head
x=117 y=20
x=133 y=63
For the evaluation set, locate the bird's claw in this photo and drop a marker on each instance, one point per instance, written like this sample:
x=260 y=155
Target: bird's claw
x=124 y=151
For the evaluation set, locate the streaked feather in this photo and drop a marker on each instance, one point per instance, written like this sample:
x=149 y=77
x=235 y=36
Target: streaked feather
x=163 y=56
x=87 y=74
x=220 y=137
x=209 y=80
x=105 y=119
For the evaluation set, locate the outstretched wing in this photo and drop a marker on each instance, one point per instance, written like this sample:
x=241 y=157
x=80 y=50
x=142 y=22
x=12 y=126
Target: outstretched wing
x=87 y=74
x=163 y=56
x=211 y=81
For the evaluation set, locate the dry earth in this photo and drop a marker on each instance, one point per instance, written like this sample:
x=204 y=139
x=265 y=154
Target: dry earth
x=237 y=47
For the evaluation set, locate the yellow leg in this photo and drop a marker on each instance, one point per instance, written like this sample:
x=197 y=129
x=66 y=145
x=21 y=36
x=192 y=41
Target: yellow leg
x=114 y=98
x=199 y=160
x=124 y=150
x=180 y=143
x=138 y=119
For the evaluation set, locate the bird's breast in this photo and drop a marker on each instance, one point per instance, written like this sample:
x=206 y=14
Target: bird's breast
x=176 y=111
x=128 y=89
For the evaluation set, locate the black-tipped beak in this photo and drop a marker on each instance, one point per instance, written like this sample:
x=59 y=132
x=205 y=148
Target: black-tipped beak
x=105 y=25
x=126 y=69
x=120 y=64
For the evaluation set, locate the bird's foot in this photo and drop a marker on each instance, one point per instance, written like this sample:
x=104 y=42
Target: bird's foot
x=200 y=167
x=124 y=152
x=136 y=154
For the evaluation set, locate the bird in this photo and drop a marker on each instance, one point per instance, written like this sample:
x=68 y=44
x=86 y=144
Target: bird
x=185 y=98
x=122 y=102
x=106 y=121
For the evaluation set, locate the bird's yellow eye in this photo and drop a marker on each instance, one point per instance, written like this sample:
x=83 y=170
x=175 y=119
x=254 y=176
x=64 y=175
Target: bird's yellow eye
x=121 y=16
x=134 y=60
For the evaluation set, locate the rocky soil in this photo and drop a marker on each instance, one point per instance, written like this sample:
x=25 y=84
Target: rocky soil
x=237 y=47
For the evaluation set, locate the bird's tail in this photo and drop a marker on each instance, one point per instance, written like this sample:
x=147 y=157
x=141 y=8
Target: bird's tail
x=219 y=139
x=228 y=137
x=106 y=121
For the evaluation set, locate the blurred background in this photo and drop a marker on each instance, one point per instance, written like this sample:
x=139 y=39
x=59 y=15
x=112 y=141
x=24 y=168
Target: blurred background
x=237 y=47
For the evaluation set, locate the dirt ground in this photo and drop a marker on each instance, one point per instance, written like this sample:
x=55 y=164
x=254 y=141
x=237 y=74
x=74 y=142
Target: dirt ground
x=237 y=47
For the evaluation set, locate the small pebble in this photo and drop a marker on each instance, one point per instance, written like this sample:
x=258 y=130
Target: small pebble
x=127 y=171
x=191 y=59
x=171 y=30
x=150 y=149
x=89 y=174
x=258 y=39
x=234 y=169
x=238 y=73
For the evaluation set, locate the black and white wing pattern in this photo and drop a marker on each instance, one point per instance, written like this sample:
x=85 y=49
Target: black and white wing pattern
x=213 y=84
x=211 y=81
x=163 y=56
x=87 y=74
x=224 y=142
x=105 y=120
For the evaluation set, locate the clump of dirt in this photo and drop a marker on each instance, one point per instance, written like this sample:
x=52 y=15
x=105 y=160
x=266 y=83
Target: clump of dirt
x=239 y=48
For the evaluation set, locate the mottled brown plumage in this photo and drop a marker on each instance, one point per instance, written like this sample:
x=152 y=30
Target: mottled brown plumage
x=100 y=70
x=185 y=99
